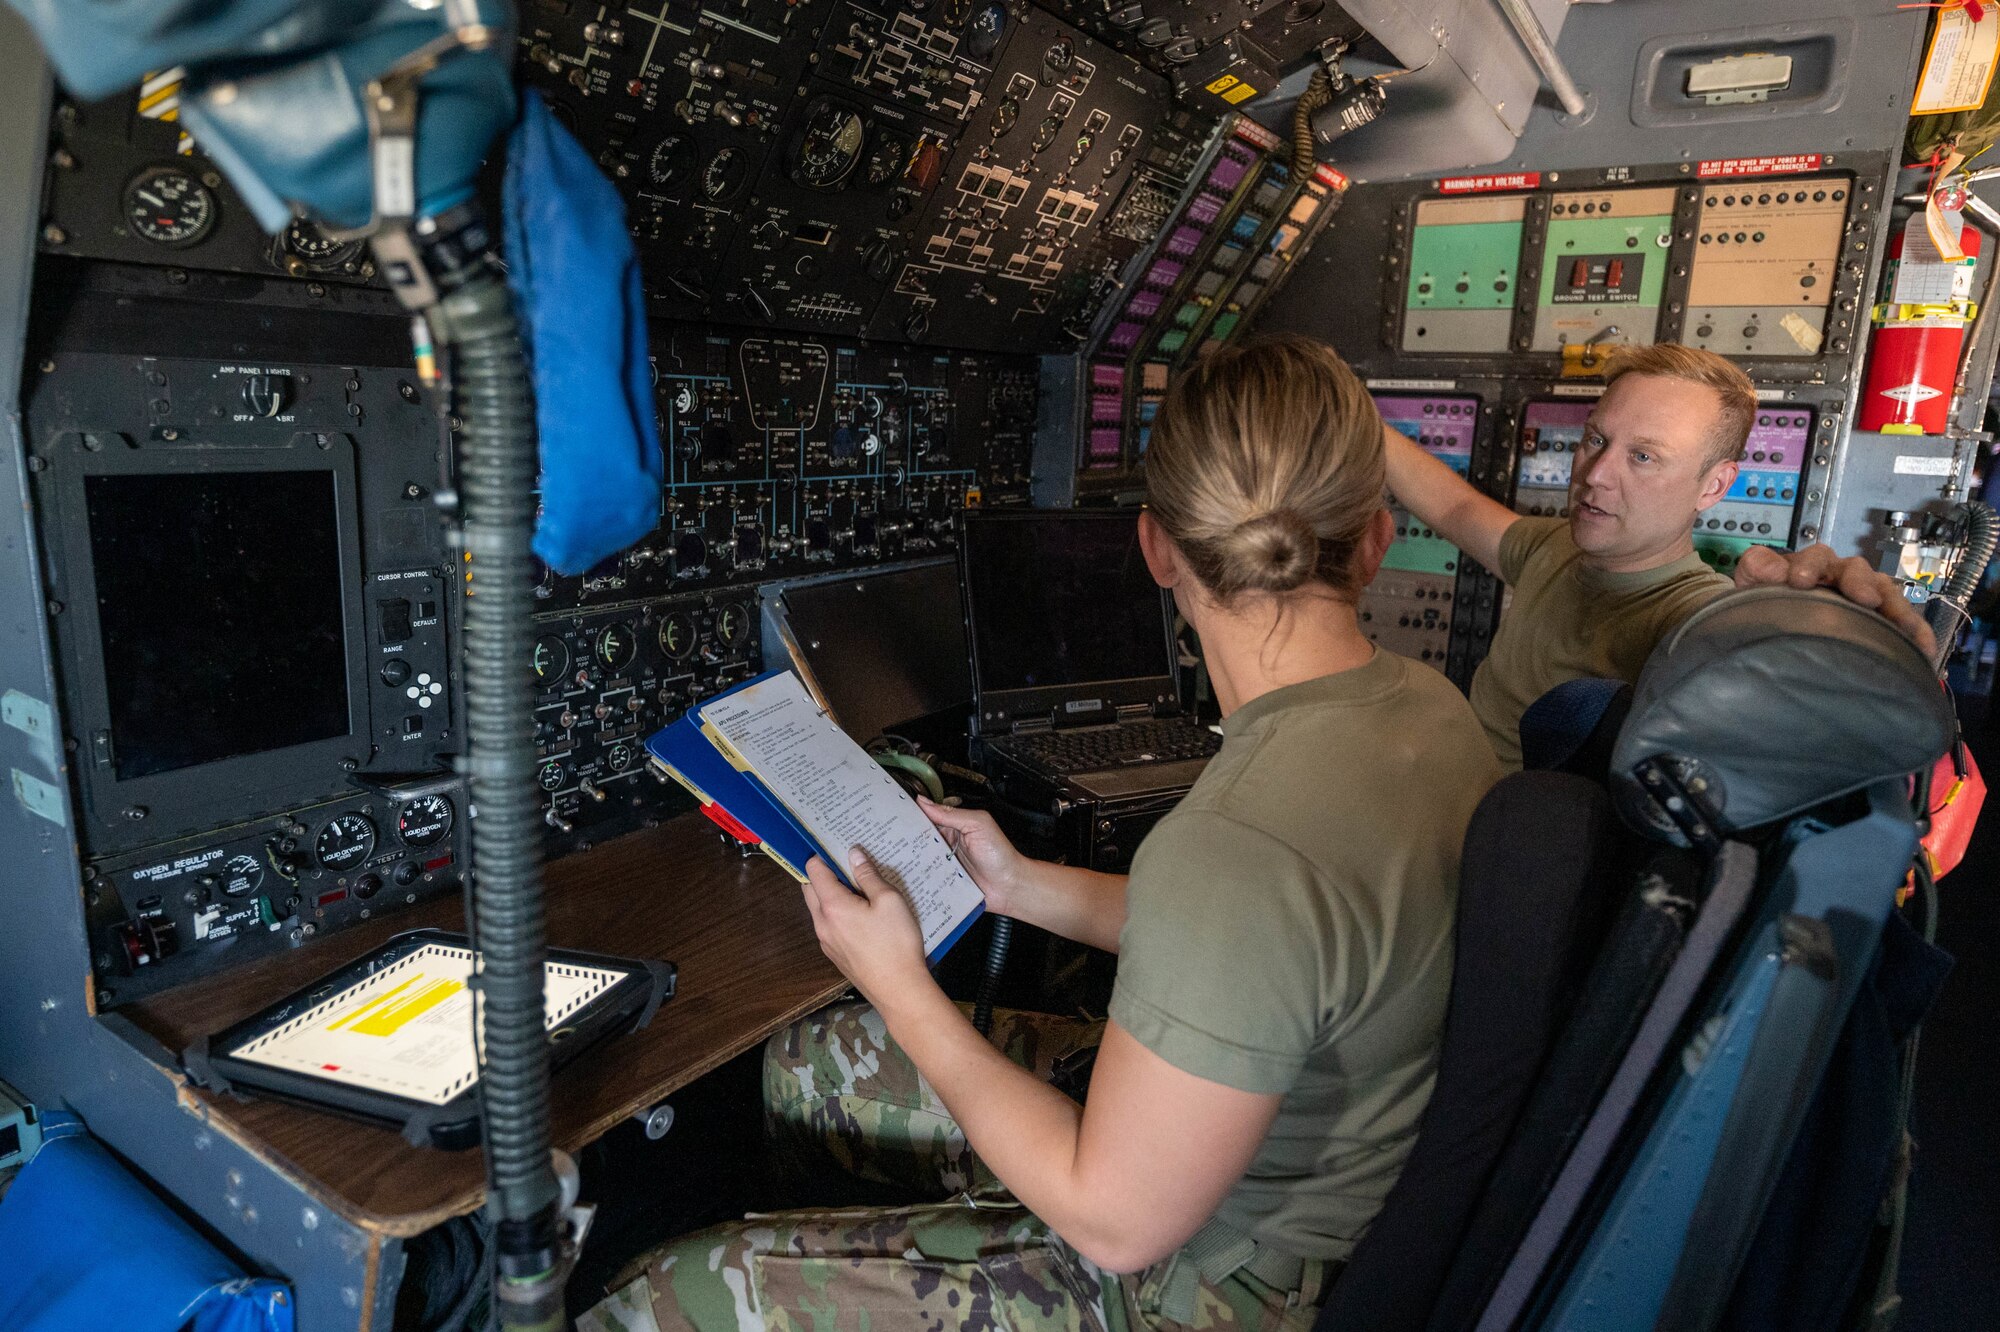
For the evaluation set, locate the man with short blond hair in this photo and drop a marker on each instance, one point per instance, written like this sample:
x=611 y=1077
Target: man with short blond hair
x=1595 y=591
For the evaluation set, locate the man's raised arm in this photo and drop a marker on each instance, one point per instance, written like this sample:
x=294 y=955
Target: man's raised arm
x=1445 y=501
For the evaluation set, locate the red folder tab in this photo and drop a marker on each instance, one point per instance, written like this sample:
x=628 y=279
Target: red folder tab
x=725 y=821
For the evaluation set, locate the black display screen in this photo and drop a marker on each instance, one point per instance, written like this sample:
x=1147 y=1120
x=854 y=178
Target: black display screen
x=1064 y=599
x=219 y=609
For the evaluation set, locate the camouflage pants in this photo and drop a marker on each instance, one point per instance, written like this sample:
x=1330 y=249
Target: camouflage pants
x=837 y=1087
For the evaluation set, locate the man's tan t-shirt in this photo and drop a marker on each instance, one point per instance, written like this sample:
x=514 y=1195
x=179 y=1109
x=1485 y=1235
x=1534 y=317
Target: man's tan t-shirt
x=1289 y=931
x=1570 y=622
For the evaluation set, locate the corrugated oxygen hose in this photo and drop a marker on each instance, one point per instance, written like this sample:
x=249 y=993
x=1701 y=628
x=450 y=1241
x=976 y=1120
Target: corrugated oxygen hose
x=496 y=490
x=1947 y=611
x=1319 y=91
x=989 y=978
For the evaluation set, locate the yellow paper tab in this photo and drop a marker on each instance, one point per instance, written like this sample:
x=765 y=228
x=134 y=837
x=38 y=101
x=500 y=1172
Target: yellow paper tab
x=1241 y=92
x=1959 y=67
x=388 y=1014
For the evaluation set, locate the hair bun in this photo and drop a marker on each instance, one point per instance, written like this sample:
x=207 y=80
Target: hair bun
x=1273 y=552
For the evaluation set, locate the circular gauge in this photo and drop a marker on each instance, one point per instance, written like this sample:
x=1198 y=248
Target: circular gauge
x=1005 y=115
x=677 y=636
x=732 y=626
x=313 y=248
x=724 y=174
x=617 y=646
x=830 y=146
x=348 y=840
x=717 y=443
x=424 y=821
x=819 y=535
x=619 y=757
x=983 y=34
x=551 y=658
x=671 y=163
x=168 y=206
x=886 y=157
x=242 y=876
x=1046 y=133
x=690 y=552
x=749 y=544
x=552 y=775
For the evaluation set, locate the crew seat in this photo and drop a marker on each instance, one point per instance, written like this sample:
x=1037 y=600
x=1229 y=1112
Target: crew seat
x=1653 y=962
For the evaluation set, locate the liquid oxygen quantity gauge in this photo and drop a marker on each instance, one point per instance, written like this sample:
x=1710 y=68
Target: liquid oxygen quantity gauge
x=347 y=841
x=424 y=821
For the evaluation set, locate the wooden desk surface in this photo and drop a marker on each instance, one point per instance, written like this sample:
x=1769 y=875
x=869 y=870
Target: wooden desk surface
x=737 y=929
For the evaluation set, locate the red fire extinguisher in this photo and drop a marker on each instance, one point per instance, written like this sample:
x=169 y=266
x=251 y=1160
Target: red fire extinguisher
x=1913 y=357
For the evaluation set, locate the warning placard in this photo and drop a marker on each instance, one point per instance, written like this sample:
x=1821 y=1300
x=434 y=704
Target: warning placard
x=1511 y=180
x=1759 y=166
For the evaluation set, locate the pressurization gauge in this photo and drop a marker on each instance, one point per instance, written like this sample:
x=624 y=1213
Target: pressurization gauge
x=168 y=206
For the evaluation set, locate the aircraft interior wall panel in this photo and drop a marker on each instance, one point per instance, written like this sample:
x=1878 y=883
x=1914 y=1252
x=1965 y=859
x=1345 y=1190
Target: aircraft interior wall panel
x=1856 y=62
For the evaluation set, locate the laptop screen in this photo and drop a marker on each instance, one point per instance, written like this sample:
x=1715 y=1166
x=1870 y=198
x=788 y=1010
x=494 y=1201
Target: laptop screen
x=1061 y=600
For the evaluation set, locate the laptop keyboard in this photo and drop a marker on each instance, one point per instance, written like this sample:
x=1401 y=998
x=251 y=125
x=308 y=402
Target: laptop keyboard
x=1096 y=748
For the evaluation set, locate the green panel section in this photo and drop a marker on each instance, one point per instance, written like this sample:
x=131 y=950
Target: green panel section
x=1417 y=549
x=1224 y=325
x=1637 y=236
x=1481 y=257
x=1172 y=340
x=1721 y=552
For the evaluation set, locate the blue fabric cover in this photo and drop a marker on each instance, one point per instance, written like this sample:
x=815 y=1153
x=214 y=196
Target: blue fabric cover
x=89 y=1247
x=575 y=278
x=1559 y=724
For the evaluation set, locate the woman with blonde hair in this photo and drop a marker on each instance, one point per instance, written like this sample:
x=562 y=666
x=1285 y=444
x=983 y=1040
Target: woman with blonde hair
x=1284 y=948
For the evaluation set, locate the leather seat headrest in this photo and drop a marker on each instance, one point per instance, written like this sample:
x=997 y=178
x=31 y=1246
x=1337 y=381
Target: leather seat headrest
x=1771 y=701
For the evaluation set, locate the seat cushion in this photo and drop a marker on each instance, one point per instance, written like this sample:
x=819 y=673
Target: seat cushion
x=1533 y=900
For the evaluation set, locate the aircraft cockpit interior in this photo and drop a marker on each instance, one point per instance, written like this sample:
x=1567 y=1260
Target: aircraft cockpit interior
x=1285 y=665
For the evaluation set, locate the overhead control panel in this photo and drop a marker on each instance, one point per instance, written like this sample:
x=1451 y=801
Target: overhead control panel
x=1013 y=250
x=936 y=174
x=968 y=175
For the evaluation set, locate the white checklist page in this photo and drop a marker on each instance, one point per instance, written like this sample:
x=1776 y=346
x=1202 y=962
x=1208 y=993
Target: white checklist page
x=844 y=798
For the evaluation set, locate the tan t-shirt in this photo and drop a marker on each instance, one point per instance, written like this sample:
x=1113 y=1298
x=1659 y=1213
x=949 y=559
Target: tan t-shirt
x=1289 y=930
x=1571 y=622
